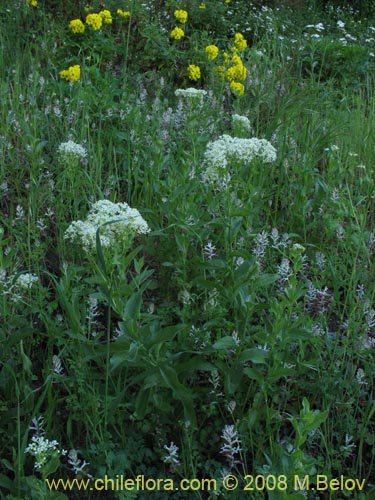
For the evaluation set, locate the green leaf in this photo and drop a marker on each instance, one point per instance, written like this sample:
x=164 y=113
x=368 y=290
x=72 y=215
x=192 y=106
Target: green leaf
x=141 y=402
x=257 y=356
x=225 y=343
x=5 y=482
x=254 y=375
x=132 y=307
x=170 y=378
x=165 y=334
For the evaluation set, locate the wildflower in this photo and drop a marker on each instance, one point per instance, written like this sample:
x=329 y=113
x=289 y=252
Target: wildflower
x=26 y=281
x=172 y=457
x=361 y=377
x=236 y=72
x=181 y=16
x=194 y=72
x=202 y=6
x=70 y=153
x=94 y=20
x=106 y=16
x=32 y=3
x=123 y=13
x=212 y=52
x=177 y=33
x=43 y=450
x=76 y=464
x=239 y=42
x=190 y=93
x=72 y=74
x=237 y=88
x=209 y=250
x=221 y=71
x=57 y=366
x=127 y=223
x=227 y=151
x=241 y=124
x=77 y=26
x=260 y=247
x=37 y=425
x=231 y=446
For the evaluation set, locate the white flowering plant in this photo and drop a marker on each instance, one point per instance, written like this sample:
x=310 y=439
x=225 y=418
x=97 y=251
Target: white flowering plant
x=116 y=223
x=70 y=154
x=226 y=153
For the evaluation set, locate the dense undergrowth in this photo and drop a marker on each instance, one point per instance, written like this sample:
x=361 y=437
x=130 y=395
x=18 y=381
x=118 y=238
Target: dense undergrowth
x=186 y=247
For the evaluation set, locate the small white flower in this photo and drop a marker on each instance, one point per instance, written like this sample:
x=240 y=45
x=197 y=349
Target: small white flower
x=25 y=281
x=190 y=93
x=172 y=457
x=241 y=123
x=230 y=151
x=209 y=250
x=43 y=449
x=127 y=223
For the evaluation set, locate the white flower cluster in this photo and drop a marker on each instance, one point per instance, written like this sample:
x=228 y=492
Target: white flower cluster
x=190 y=92
x=25 y=281
x=172 y=457
x=43 y=449
x=241 y=123
x=71 y=153
x=231 y=446
x=230 y=151
x=16 y=286
x=119 y=223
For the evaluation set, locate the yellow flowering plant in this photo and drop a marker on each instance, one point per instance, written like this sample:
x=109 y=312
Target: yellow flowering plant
x=194 y=72
x=106 y=16
x=95 y=21
x=32 y=3
x=237 y=88
x=123 y=13
x=177 y=33
x=181 y=16
x=77 y=26
x=239 y=42
x=212 y=52
x=72 y=74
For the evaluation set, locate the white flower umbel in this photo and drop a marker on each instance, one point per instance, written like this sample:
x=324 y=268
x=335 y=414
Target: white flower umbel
x=25 y=281
x=123 y=223
x=43 y=449
x=190 y=93
x=71 y=153
x=241 y=125
x=229 y=151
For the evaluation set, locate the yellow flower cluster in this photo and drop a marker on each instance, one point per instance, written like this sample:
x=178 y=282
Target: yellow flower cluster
x=237 y=88
x=32 y=3
x=123 y=13
x=106 y=16
x=95 y=21
x=77 y=26
x=177 y=33
x=72 y=74
x=194 y=72
x=233 y=68
x=237 y=71
x=181 y=16
x=239 y=42
x=212 y=52
x=203 y=6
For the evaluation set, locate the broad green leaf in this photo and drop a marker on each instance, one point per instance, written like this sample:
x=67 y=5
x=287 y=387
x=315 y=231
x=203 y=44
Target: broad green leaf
x=225 y=343
x=257 y=356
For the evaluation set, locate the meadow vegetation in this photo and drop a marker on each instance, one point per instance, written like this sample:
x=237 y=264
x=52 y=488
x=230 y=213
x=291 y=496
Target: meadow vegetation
x=187 y=244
